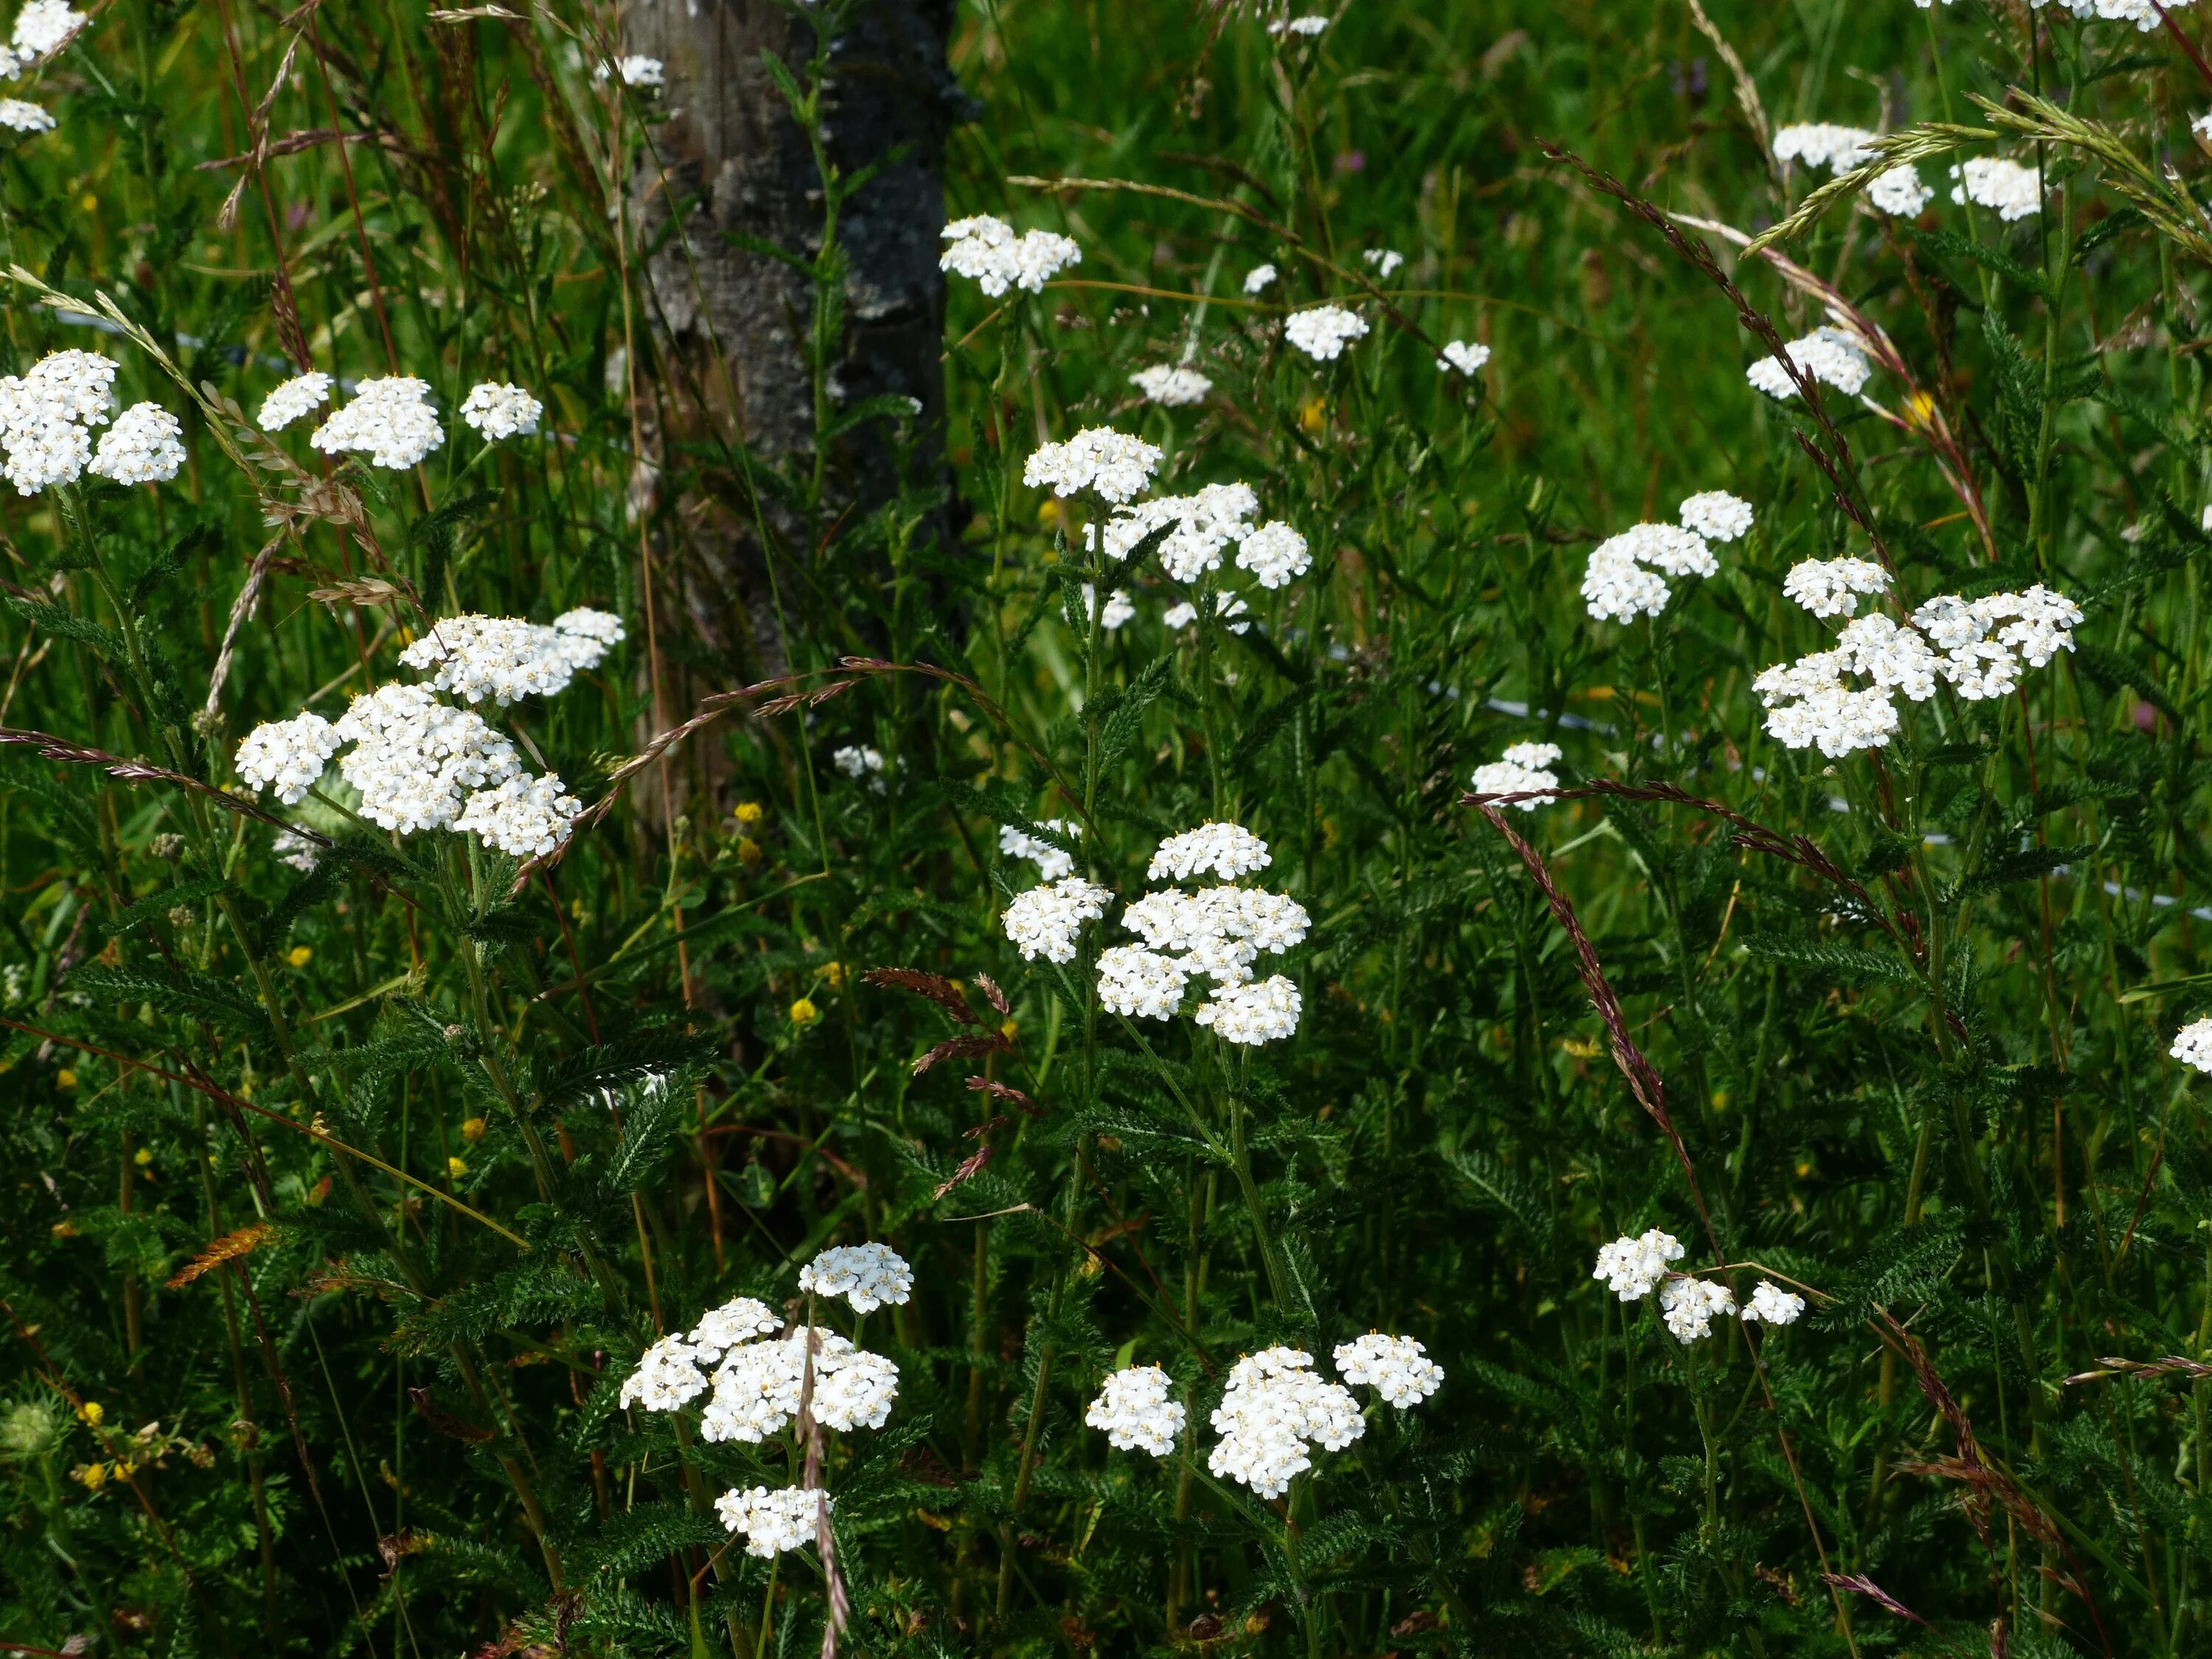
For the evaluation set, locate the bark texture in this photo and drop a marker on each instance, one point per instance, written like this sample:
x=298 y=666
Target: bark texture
x=737 y=164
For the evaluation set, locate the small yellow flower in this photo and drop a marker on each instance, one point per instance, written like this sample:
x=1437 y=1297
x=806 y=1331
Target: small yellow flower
x=473 y=1129
x=92 y=1413
x=298 y=956
x=1313 y=416
x=748 y=813
x=143 y=1156
x=834 y=973
x=804 y=1013
x=1010 y=1029
x=1919 y=408
x=1049 y=514
x=456 y=1168
x=94 y=1475
x=90 y=204
x=748 y=851
x=65 y=1079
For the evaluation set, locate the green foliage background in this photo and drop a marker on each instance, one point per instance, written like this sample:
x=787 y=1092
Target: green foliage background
x=1912 y=1023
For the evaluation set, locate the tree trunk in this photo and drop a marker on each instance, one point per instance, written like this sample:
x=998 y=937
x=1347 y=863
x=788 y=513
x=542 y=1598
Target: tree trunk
x=735 y=322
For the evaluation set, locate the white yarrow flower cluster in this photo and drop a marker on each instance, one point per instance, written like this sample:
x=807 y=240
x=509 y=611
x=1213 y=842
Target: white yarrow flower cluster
x=868 y=1276
x=18 y=115
x=1251 y=1014
x=390 y=420
x=1226 y=850
x=1771 y=1305
x=288 y=756
x=1052 y=862
x=1200 y=525
x=732 y=1325
x=1522 y=768
x=1140 y=984
x=857 y=760
x=1304 y=26
x=1273 y=1408
x=1831 y=588
x=1138 y=1410
x=507 y=658
x=1323 y=331
x=1833 y=356
x=1274 y=553
x=1173 y=385
x=1119 y=607
x=415 y=760
x=499 y=410
x=1111 y=464
x=758 y=1384
x=1385 y=261
x=1992 y=181
x=1398 y=1367
x=1690 y=1305
x=293 y=849
x=637 y=71
x=1617 y=583
x=299 y=396
x=1045 y=920
x=1632 y=1268
x=1257 y=279
x=2192 y=1045
x=42 y=28
x=667 y=1377
x=1823 y=144
x=987 y=250
x=772 y=1522
x=523 y=817
x=1978 y=646
x=44 y=416
x=1900 y=192
x=1220 y=931
x=1461 y=357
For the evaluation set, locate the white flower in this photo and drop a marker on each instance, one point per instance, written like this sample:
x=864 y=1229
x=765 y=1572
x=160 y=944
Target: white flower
x=668 y=1375
x=1251 y=1014
x=857 y=760
x=297 y=850
x=142 y=447
x=1459 y=356
x=1112 y=465
x=1632 y=1268
x=1900 y=192
x=1274 y=553
x=1257 y=279
x=1221 y=930
x=1203 y=524
x=2192 y=1045
x=1614 y=583
x=523 y=817
x=1045 y=920
x=1831 y=588
x=637 y=71
x=1398 y=1367
x=1717 y=516
x=987 y=250
x=2201 y=127
x=757 y=1387
x=1384 y=260
x=774 y=1522
x=1052 y=862
x=45 y=414
x=414 y=758
x=504 y=658
x=499 y=411
x=1892 y=656
x=1226 y=850
x=1823 y=144
x=1830 y=355
x=1689 y=1306
x=288 y=756
x=390 y=420
x=1323 y=331
x=295 y=397
x=1522 y=768
x=1137 y=1411
x=1992 y=181
x=1306 y=26
x=1173 y=385
x=1273 y=1409
x=1772 y=1305
x=868 y=1276
x=1119 y=607
x=45 y=26
x=732 y=1325
x=17 y=115
x=1180 y=615
x=1140 y=983
x=1832 y=718
x=585 y=636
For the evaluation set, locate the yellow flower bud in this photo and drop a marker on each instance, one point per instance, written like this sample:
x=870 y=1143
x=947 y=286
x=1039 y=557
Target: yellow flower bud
x=804 y=1013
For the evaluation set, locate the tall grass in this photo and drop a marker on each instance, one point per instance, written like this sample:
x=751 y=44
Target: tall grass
x=347 y=1200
